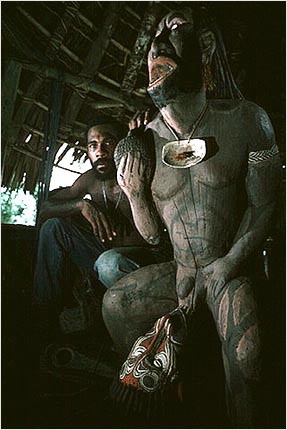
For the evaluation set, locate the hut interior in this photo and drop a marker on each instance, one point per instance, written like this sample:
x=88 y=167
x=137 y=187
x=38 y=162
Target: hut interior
x=63 y=62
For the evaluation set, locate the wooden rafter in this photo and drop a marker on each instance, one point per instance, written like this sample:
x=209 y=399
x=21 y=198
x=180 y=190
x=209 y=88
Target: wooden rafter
x=86 y=85
x=38 y=158
x=70 y=53
x=60 y=141
x=10 y=85
x=51 y=51
x=93 y=59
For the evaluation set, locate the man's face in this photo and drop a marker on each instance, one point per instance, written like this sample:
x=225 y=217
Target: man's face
x=102 y=141
x=174 y=60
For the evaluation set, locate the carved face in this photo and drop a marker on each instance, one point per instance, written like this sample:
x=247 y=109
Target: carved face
x=101 y=144
x=174 y=60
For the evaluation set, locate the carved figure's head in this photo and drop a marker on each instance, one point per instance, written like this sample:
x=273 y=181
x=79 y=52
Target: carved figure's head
x=187 y=54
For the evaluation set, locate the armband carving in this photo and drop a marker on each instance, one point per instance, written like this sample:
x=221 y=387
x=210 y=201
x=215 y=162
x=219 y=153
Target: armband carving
x=263 y=155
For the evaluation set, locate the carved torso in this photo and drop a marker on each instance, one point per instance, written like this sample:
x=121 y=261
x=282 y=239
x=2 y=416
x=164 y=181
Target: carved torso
x=202 y=205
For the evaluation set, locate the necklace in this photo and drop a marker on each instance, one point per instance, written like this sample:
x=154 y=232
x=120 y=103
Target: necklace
x=184 y=153
x=194 y=127
x=106 y=199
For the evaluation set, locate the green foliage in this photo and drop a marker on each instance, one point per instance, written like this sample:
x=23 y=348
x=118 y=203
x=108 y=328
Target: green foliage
x=18 y=207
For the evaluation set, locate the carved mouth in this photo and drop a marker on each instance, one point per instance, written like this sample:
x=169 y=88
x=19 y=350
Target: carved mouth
x=159 y=70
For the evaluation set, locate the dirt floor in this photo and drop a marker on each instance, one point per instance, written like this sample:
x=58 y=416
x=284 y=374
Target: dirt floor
x=74 y=390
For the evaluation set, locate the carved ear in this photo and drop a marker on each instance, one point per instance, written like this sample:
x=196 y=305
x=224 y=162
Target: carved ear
x=208 y=45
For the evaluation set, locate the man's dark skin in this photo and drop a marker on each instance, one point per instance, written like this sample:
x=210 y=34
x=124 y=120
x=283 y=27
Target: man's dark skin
x=212 y=232
x=92 y=235
x=101 y=142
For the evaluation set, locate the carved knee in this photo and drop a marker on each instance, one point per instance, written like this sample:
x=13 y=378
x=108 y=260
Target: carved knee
x=113 y=303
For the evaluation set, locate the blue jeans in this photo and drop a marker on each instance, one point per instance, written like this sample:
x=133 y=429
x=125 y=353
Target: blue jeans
x=62 y=242
x=116 y=263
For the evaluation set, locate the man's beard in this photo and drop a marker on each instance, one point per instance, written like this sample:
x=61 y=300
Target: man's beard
x=107 y=172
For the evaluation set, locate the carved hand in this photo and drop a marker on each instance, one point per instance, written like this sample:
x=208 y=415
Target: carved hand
x=190 y=288
x=101 y=225
x=131 y=175
x=140 y=120
x=217 y=274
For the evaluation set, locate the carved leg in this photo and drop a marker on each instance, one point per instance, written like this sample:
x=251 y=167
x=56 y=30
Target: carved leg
x=235 y=315
x=133 y=304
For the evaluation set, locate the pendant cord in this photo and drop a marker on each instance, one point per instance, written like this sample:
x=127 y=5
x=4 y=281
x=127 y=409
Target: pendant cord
x=194 y=127
x=106 y=199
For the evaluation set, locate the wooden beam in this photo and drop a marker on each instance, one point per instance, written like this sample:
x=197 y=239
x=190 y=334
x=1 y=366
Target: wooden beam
x=105 y=104
x=71 y=54
x=99 y=46
x=38 y=158
x=133 y=13
x=34 y=22
x=89 y=23
x=9 y=92
x=145 y=35
x=83 y=84
x=94 y=58
x=55 y=42
x=78 y=128
x=40 y=133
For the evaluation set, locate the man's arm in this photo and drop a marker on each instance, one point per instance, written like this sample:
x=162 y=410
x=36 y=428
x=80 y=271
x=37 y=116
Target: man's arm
x=69 y=201
x=261 y=182
x=66 y=201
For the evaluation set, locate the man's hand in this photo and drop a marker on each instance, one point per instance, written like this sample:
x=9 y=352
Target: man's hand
x=131 y=175
x=100 y=223
x=217 y=274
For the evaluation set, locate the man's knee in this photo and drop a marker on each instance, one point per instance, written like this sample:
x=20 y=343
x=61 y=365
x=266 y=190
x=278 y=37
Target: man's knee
x=51 y=226
x=111 y=266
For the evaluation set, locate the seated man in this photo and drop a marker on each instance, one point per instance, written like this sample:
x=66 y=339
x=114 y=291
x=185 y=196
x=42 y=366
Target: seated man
x=78 y=230
x=214 y=186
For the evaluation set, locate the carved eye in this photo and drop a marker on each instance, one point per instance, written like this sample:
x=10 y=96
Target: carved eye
x=174 y=27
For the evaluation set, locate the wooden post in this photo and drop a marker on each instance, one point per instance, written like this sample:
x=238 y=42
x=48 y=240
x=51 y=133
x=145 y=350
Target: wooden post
x=50 y=139
x=9 y=91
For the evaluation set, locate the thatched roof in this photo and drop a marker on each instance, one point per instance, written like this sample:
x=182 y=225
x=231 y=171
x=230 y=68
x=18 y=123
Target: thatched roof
x=95 y=54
